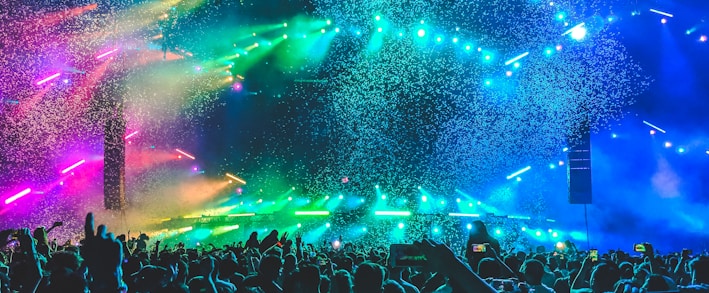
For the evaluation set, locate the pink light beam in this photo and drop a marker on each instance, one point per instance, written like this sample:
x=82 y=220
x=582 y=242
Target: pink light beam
x=17 y=196
x=131 y=135
x=53 y=76
x=77 y=164
x=186 y=154
x=107 y=53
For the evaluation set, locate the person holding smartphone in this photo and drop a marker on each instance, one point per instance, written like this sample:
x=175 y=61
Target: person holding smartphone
x=478 y=235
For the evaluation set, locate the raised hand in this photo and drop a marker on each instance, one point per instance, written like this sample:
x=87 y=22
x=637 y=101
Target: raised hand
x=31 y=279
x=103 y=255
x=284 y=237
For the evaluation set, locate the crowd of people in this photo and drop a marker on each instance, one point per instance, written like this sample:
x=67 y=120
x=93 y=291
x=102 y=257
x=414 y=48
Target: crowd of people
x=103 y=262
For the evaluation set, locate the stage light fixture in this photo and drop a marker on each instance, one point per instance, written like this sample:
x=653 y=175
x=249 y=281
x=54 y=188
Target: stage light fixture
x=77 y=164
x=579 y=33
x=18 y=195
x=53 y=76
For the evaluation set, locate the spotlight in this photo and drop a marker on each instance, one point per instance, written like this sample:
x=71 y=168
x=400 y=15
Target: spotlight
x=327 y=225
x=328 y=22
x=435 y=230
x=384 y=196
x=703 y=38
x=663 y=20
x=668 y=144
x=457 y=200
x=652 y=132
x=469 y=226
x=498 y=231
x=401 y=225
x=337 y=29
x=524 y=229
x=340 y=197
x=455 y=40
x=538 y=233
x=421 y=33
x=578 y=33
x=379 y=29
x=424 y=198
x=560 y=15
x=285 y=36
x=554 y=234
x=681 y=150
x=299 y=225
x=378 y=18
x=614 y=135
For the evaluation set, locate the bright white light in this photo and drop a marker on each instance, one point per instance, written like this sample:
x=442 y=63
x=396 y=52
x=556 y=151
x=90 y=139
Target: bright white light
x=578 y=33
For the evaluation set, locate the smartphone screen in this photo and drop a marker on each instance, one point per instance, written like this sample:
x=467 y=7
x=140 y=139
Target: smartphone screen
x=406 y=255
x=479 y=248
x=639 y=248
x=593 y=254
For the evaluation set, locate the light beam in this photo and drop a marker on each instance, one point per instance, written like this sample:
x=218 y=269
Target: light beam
x=17 y=196
x=515 y=59
x=53 y=76
x=515 y=174
x=184 y=153
x=654 y=126
x=236 y=178
x=77 y=164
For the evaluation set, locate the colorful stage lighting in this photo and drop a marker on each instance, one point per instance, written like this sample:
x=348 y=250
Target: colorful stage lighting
x=107 y=53
x=53 y=76
x=131 y=135
x=517 y=58
x=77 y=164
x=185 y=154
x=421 y=33
x=464 y=215
x=242 y=215
x=312 y=213
x=515 y=174
x=392 y=213
x=661 y=13
x=237 y=179
x=18 y=196
x=578 y=33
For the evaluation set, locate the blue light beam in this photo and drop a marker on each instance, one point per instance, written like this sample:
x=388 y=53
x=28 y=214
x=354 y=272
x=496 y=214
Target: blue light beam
x=515 y=59
x=515 y=174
